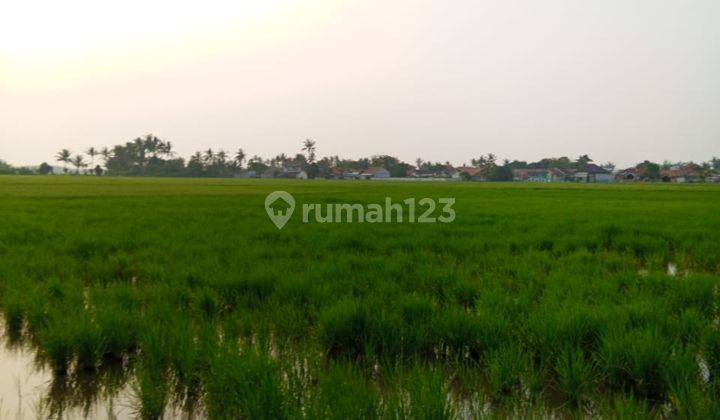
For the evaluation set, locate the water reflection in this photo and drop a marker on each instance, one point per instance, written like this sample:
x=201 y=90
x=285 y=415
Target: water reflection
x=30 y=389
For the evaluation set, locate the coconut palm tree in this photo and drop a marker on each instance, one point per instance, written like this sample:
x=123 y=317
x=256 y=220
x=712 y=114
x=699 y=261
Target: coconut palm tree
x=64 y=157
x=78 y=162
x=92 y=152
x=106 y=155
x=221 y=157
x=240 y=157
x=209 y=157
x=309 y=147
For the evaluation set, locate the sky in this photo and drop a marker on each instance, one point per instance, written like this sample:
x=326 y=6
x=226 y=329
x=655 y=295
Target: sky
x=620 y=80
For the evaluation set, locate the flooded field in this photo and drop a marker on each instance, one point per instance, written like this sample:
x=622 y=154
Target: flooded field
x=29 y=388
x=179 y=298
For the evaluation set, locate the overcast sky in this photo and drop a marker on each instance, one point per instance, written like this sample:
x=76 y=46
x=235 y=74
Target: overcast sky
x=620 y=80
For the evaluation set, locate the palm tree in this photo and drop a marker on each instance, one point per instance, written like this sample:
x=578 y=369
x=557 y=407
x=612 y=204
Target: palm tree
x=106 y=155
x=240 y=157
x=152 y=144
x=64 y=157
x=166 y=148
x=221 y=156
x=78 y=162
x=209 y=157
x=309 y=147
x=92 y=152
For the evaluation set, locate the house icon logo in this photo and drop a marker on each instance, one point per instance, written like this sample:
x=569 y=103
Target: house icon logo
x=279 y=206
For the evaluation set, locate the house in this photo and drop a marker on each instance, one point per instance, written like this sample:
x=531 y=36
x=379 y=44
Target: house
x=423 y=173
x=469 y=173
x=682 y=174
x=592 y=173
x=294 y=174
x=631 y=174
x=293 y=165
x=247 y=174
x=532 y=175
x=541 y=175
x=375 y=172
x=337 y=173
x=271 y=172
x=344 y=173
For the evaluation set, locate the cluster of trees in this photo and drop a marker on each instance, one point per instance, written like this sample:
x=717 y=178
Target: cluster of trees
x=7 y=169
x=151 y=156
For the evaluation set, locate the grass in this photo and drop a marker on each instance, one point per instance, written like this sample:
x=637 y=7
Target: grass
x=538 y=299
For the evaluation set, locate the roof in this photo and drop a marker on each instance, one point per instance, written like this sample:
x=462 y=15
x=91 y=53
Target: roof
x=683 y=171
x=470 y=170
x=592 y=168
x=374 y=170
x=292 y=173
x=272 y=170
x=530 y=171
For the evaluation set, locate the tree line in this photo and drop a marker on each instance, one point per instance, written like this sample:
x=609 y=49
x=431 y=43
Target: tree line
x=151 y=156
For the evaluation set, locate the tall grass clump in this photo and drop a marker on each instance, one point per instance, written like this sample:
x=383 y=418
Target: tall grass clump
x=636 y=361
x=425 y=395
x=244 y=385
x=508 y=369
x=574 y=376
x=356 y=329
x=343 y=391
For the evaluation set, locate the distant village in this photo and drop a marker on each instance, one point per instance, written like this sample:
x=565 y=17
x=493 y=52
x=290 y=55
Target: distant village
x=586 y=173
x=151 y=156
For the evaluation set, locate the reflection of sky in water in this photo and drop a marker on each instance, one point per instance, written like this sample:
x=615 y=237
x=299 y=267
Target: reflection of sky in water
x=29 y=390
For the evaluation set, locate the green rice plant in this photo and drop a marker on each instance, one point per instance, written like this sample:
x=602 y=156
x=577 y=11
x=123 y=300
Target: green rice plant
x=243 y=385
x=466 y=292
x=574 y=376
x=419 y=332
x=57 y=345
x=344 y=392
x=571 y=327
x=507 y=367
x=465 y=336
x=696 y=292
x=153 y=365
x=208 y=303
x=426 y=393
x=354 y=329
x=623 y=407
x=636 y=361
x=685 y=391
x=152 y=391
x=687 y=327
x=88 y=343
x=13 y=313
x=711 y=353
x=251 y=291
x=118 y=331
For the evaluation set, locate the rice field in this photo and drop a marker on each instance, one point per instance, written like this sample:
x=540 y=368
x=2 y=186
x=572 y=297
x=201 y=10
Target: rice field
x=558 y=300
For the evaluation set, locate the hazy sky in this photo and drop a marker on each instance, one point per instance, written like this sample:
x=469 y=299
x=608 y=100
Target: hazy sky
x=621 y=80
